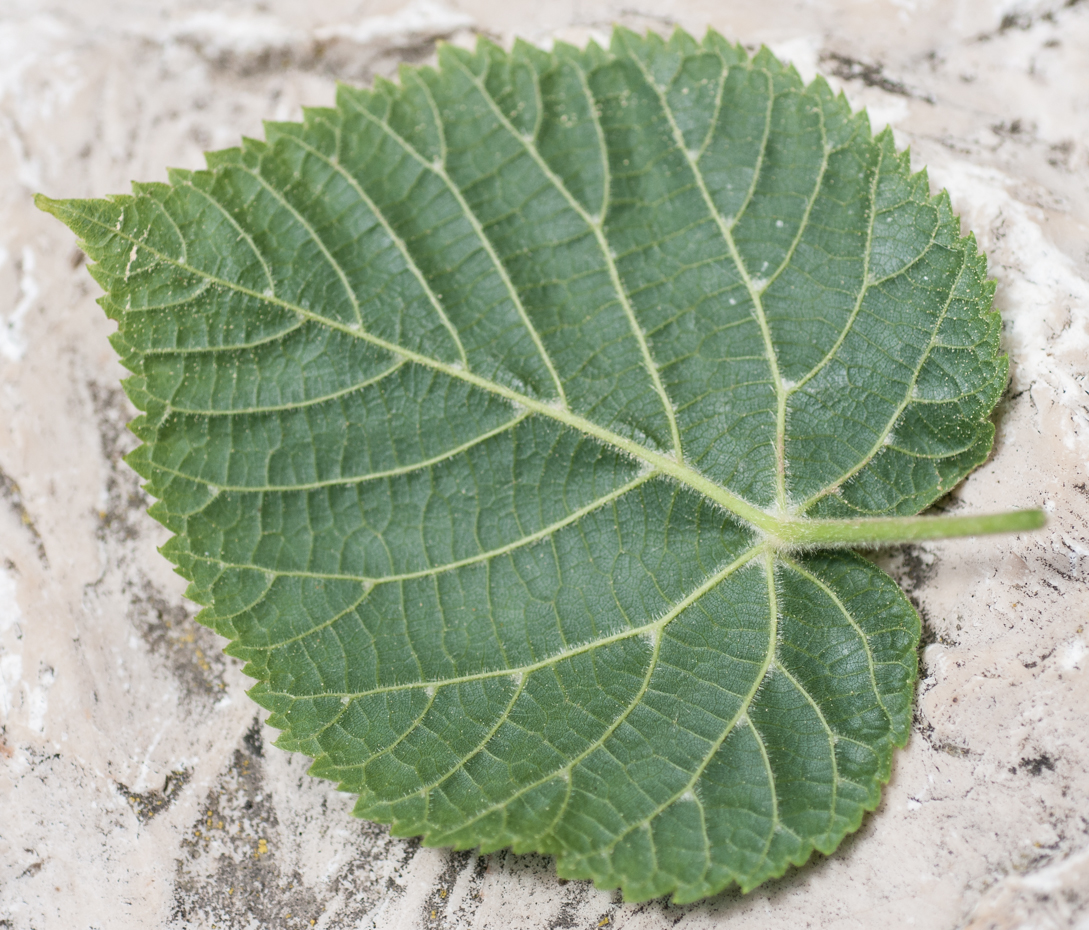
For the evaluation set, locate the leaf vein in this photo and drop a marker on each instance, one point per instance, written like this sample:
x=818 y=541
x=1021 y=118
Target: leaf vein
x=818 y=582
x=539 y=535
x=184 y=262
x=439 y=170
x=741 y=713
x=901 y=407
x=387 y=228
x=315 y=238
x=597 y=228
x=352 y=479
x=296 y=405
x=726 y=231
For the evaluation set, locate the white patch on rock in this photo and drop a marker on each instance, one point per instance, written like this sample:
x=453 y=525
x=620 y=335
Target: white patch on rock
x=802 y=51
x=888 y=111
x=418 y=20
x=12 y=341
x=1071 y=655
x=11 y=674
x=10 y=614
x=218 y=33
x=247 y=40
x=37 y=699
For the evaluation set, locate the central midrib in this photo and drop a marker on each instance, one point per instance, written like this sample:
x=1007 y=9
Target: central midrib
x=782 y=531
x=662 y=462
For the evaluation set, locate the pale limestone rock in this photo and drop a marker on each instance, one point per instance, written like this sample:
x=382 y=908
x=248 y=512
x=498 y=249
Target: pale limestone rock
x=136 y=788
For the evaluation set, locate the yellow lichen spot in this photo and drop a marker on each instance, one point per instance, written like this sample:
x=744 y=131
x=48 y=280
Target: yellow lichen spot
x=442 y=892
x=432 y=915
x=262 y=848
x=230 y=891
x=603 y=921
x=219 y=824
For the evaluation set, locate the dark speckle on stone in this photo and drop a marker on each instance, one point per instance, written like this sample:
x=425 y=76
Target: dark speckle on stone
x=149 y=803
x=1036 y=766
x=253 y=739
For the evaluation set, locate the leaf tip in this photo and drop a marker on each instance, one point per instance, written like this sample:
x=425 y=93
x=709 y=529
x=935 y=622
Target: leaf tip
x=47 y=204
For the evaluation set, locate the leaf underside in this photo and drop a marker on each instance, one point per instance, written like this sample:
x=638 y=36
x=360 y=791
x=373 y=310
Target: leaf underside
x=455 y=397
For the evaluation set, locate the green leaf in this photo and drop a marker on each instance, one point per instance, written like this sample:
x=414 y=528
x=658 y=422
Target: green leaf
x=508 y=419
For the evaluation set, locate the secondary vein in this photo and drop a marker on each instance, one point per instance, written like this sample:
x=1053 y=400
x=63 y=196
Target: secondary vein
x=439 y=170
x=754 y=294
x=351 y=479
x=596 y=226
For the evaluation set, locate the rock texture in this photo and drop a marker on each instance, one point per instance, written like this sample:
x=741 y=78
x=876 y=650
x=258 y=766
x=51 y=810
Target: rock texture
x=137 y=786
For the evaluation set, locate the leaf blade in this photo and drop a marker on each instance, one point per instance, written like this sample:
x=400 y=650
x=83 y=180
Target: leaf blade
x=476 y=404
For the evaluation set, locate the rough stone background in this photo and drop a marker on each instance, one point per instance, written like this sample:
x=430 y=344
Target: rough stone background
x=137 y=785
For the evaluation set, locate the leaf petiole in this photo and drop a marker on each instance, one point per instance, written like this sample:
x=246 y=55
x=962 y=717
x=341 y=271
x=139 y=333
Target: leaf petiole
x=880 y=531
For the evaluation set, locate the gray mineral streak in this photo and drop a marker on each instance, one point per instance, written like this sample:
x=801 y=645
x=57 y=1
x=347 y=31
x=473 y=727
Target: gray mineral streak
x=138 y=787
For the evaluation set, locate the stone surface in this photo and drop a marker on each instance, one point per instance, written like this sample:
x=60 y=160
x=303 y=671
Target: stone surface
x=137 y=785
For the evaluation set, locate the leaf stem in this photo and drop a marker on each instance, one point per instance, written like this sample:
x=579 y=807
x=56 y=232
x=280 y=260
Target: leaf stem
x=881 y=531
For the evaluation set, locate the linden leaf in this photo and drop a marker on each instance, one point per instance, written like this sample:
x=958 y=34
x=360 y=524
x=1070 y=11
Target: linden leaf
x=507 y=420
